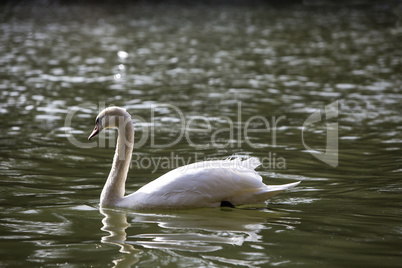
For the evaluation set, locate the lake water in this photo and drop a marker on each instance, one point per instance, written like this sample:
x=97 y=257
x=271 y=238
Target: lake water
x=314 y=92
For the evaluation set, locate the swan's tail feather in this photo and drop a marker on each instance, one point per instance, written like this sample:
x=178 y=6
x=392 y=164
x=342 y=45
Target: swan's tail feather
x=260 y=195
x=272 y=190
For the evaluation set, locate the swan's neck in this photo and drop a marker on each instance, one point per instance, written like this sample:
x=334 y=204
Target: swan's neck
x=114 y=189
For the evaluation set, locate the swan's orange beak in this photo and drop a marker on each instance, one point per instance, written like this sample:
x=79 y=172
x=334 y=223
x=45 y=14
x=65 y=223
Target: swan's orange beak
x=95 y=131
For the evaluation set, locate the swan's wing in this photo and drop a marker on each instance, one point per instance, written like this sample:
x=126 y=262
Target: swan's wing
x=204 y=184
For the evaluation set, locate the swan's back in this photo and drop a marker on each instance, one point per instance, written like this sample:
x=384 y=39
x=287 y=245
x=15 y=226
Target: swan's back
x=205 y=184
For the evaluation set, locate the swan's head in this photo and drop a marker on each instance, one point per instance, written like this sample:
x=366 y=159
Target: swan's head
x=111 y=117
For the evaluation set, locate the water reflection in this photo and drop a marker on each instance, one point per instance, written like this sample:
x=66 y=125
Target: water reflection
x=201 y=231
x=115 y=223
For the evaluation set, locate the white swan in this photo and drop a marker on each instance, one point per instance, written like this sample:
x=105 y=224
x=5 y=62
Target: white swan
x=203 y=184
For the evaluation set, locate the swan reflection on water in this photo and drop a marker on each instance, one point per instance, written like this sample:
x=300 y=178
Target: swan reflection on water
x=196 y=230
x=115 y=223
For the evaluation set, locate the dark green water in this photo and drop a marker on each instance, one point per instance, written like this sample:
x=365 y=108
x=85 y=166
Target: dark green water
x=202 y=82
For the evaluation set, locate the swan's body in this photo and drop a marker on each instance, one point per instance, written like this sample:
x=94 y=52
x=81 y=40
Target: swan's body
x=203 y=184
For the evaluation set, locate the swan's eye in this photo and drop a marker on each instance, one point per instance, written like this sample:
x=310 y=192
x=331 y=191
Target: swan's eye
x=99 y=121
